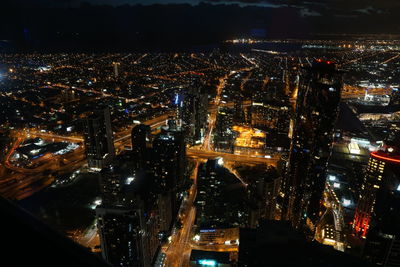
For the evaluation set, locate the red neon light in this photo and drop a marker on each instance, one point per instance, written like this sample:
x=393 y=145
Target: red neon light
x=393 y=160
x=361 y=224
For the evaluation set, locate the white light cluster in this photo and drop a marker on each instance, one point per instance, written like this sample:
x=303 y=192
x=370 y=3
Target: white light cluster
x=129 y=180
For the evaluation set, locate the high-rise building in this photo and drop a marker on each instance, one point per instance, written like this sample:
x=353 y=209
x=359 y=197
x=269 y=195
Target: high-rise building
x=141 y=136
x=263 y=187
x=192 y=111
x=377 y=217
x=221 y=197
x=270 y=109
x=99 y=139
x=224 y=137
x=129 y=218
x=122 y=236
x=169 y=161
x=316 y=113
x=274 y=118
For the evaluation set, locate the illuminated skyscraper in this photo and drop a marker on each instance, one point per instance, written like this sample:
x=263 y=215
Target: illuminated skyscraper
x=99 y=139
x=316 y=113
x=377 y=216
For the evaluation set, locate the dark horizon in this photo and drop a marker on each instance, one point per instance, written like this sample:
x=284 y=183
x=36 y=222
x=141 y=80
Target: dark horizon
x=173 y=27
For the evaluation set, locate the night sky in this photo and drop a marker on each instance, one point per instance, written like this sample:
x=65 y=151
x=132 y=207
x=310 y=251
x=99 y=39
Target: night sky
x=120 y=24
x=316 y=7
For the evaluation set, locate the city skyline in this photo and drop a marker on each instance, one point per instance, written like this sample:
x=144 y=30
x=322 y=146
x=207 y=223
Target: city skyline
x=190 y=133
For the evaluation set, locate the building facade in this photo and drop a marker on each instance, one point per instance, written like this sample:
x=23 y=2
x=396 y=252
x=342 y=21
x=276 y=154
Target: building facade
x=377 y=217
x=316 y=113
x=99 y=141
x=129 y=218
x=169 y=161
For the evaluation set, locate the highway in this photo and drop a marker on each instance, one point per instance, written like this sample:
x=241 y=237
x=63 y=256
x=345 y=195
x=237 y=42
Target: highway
x=21 y=182
x=208 y=154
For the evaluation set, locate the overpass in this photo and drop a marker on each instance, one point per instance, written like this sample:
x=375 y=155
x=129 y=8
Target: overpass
x=208 y=154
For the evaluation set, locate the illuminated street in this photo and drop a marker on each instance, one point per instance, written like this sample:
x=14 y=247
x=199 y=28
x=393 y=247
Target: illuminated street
x=178 y=250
